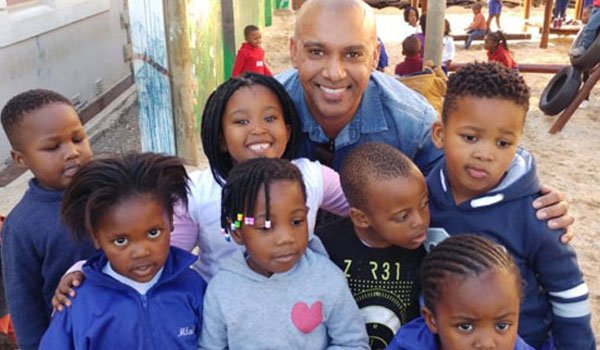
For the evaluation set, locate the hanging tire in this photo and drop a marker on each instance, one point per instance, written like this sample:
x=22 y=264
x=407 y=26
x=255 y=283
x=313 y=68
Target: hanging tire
x=590 y=58
x=560 y=91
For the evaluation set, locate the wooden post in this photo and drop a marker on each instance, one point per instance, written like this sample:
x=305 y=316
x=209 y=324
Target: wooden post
x=414 y=3
x=562 y=120
x=435 y=32
x=423 y=6
x=578 y=8
x=180 y=68
x=546 y=27
x=526 y=9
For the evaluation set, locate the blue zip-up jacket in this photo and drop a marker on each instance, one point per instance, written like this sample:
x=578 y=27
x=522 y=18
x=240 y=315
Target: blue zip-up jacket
x=107 y=314
x=555 y=295
x=416 y=336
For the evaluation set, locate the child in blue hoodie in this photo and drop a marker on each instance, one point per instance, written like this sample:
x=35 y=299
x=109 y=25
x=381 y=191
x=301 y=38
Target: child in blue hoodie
x=282 y=292
x=139 y=292
x=486 y=185
x=472 y=291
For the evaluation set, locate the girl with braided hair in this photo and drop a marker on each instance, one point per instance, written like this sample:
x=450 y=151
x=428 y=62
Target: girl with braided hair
x=472 y=292
x=246 y=117
x=280 y=292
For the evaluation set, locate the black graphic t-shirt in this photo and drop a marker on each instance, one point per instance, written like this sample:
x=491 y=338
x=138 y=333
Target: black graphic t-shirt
x=383 y=281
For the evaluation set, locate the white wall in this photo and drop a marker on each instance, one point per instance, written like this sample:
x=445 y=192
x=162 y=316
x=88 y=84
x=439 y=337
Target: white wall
x=63 y=45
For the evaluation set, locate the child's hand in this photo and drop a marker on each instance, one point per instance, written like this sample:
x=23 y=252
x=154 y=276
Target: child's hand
x=64 y=291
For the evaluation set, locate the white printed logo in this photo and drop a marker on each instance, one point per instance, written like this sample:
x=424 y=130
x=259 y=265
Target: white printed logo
x=185 y=331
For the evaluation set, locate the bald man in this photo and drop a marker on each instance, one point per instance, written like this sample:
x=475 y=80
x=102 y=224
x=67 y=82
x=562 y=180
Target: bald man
x=341 y=99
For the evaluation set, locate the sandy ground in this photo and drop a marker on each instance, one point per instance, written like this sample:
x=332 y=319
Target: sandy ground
x=567 y=161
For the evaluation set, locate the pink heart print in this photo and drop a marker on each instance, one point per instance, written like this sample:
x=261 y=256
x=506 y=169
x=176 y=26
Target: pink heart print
x=305 y=318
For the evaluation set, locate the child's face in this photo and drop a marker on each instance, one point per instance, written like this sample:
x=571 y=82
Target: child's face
x=53 y=145
x=479 y=139
x=585 y=15
x=254 y=38
x=476 y=10
x=397 y=213
x=490 y=43
x=477 y=313
x=253 y=125
x=276 y=249
x=412 y=18
x=134 y=235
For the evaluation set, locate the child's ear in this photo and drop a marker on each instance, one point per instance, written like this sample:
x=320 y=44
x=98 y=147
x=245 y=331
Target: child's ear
x=237 y=236
x=429 y=319
x=18 y=158
x=438 y=134
x=359 y=218
x=95 y=241
x=222 y=144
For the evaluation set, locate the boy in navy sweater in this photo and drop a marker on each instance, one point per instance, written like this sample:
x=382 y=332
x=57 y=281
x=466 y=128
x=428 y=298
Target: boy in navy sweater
x=47 y=137
x=486 y=185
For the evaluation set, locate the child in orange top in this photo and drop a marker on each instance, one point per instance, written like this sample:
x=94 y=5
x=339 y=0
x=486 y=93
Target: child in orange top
x=497 y=50
x=477 y=28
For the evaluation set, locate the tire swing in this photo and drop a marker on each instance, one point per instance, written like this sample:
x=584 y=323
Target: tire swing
x=591 y=56
x=560 y=91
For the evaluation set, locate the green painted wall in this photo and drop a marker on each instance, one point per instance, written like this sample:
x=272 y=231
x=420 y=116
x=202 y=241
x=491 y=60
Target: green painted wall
x=206 y=45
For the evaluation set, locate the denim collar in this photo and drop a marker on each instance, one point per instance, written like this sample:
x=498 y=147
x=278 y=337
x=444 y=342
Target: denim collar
x=370 y=117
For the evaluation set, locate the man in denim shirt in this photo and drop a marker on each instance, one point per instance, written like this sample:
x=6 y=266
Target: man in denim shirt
x=342 y=101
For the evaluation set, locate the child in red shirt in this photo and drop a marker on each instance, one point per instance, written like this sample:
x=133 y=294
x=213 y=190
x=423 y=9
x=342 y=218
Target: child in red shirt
x=413 y=62
x=497 y=50
x=251 y=56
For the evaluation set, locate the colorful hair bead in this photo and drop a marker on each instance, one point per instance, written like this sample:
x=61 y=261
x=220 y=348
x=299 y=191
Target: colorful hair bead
x=248 y=221
x=240 y=216
x=268 y=224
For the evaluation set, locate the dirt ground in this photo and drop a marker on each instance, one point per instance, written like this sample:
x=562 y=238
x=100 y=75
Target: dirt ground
x=567 y=161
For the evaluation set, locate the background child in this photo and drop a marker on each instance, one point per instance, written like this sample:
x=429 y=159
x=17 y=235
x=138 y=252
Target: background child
x=478 y=27
x=413 y=62
x=449 y=50
x=585 y=18
x=251 y=56
x=383 y=57
x=497 y=50
x=487 y=185
x=47 y=137
x=411 y=17
x=380 y=247
x=472 y=291
x=288 y=296
x=494 y=10
x=590 y=31
x=126 y=206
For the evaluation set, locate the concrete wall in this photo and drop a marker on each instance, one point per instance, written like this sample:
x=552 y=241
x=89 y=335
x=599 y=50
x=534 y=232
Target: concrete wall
x=63 y=45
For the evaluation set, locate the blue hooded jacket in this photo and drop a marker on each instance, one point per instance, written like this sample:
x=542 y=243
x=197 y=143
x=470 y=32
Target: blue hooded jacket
x=416 y=336
x=107 y=314
x=555 y=296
